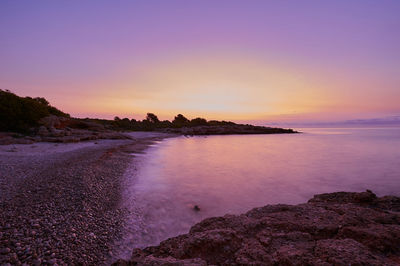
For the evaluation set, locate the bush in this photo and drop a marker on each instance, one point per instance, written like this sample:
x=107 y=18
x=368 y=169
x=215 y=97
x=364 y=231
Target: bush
x=180 y=121
x=21 y=113
x=198 y=122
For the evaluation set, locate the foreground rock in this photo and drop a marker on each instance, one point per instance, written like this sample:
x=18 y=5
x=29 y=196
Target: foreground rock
x=337 y=228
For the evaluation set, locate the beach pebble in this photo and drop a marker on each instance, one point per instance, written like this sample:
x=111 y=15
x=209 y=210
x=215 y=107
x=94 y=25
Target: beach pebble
x=37 y=262
x=36 y=225
x=58 y=215
x=4 y=251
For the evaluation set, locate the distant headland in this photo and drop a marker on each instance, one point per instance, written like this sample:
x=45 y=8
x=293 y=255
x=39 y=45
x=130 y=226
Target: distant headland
x=27 y=120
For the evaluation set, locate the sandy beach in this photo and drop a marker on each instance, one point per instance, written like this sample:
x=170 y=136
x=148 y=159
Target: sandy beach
x=60 y=203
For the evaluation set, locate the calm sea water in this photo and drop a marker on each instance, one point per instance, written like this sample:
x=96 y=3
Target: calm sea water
x=233 y=174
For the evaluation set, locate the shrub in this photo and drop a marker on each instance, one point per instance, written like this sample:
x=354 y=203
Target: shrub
x=21 y=113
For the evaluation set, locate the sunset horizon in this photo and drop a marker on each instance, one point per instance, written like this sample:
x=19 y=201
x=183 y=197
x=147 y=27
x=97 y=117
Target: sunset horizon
x=208 y=132
x=263 y=62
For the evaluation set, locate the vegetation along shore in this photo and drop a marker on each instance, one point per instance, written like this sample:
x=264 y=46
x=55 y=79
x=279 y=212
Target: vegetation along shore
x=60 y=200
x=26 y=120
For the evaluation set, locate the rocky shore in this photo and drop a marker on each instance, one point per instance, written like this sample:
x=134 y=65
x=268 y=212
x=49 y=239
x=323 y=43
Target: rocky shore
x=331 y=229
x=227 y=130
x=59 y=204
x=61 y=130
x=66 y=130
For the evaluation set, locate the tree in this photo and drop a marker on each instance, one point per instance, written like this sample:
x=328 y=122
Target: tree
x=21 y=113
x=180 y=121
x=198 y=122
x=152 y=118
x=41 y=100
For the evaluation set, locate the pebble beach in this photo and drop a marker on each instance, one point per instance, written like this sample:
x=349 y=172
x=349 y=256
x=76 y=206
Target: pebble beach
x=61 y=203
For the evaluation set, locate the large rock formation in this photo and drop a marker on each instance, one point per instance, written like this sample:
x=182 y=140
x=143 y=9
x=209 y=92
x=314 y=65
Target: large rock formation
x=337 y=228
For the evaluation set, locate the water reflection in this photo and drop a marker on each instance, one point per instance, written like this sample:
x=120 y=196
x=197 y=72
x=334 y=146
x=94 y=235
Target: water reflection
x=232 y=174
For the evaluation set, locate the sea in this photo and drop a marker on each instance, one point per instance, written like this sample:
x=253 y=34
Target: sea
x=225 y=175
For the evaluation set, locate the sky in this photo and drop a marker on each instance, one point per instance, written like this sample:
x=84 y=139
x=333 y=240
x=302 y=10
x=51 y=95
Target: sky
x=258 y=61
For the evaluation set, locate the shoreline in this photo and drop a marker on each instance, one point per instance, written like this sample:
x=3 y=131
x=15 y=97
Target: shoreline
x=340 y=228
x=60 y=203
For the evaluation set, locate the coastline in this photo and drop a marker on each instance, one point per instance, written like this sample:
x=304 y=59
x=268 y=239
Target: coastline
x=341 y=228
x=60 y=203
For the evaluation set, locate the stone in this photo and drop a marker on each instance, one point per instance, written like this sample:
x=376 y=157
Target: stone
x=331 y=229
x=50 y=121
x=4 y=251
x=42 y=131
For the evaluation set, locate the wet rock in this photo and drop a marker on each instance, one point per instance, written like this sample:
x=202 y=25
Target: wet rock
x=331 y=229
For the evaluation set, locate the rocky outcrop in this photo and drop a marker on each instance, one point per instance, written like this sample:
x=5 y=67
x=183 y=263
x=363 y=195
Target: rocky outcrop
x=331 y=229
x=62 y=129
x=227 y=130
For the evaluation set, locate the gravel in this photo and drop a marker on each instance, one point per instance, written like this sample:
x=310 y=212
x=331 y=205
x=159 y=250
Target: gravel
x=63 y=207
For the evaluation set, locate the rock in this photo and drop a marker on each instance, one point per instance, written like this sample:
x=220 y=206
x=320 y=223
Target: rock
x=345 y=197
x=56 y=132
x=35 y=225
x=335 y=228
x=50 y=121
x=4 y=251
x=6 y=140
x=42 y=131
x=196 y=208
x=37 y=262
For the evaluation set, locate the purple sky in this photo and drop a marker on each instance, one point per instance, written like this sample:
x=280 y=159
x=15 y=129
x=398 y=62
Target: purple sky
x=106 y=58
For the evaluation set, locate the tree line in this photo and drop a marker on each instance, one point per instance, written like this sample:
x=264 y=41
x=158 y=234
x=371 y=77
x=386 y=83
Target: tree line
x=21 y=114
x=151 y=122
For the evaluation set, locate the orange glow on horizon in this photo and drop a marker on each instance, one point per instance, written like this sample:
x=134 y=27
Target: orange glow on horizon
x=222 y=87
x=218 y=88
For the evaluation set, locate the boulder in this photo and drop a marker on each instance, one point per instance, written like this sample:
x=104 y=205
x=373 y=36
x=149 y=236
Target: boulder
x=42 y=131
x=50 y=121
